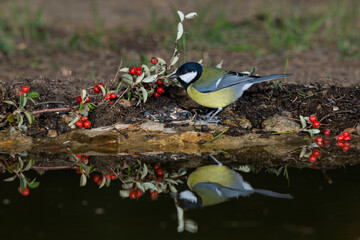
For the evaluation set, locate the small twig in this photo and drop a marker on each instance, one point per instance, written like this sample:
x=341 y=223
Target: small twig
x=343 y=111
x=117 y=73
x=128 y=126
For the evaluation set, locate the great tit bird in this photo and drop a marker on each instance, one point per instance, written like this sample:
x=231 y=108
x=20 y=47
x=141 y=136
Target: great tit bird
x=216 y=88
x=213 y=184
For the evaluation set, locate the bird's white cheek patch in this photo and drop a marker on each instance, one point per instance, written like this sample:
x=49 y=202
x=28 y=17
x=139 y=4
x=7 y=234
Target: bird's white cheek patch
x=188 y=77
x=188 y=195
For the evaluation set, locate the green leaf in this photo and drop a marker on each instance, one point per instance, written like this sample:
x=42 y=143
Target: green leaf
x=21 y=163
x=124 y=193
x=33 y=95
x=149 y=185
x=180 y=31
x=33 y=184
x=29 y=98
x=312 y=132
x=22 y=100
x=140 y=78
x=30 y=163
x=145 y=69
x=102 y=182
x=145 y=172
x=29 y=117
x=191 y=15
x=10 y=102
x=174 y=59
x=10 y=179
x=140 y=186
x=83 y=180
x=144 y=93
x=91 y=106
x=150 y=78
x=81 y=106
x=102 y=90
x=10 y=118
x=181 y=15
x=302 y=153
x=303 y=122
x=23 y=182
x=124 y=70
x=83 y=94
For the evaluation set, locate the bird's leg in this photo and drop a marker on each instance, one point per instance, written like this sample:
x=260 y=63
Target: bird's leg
x=217 y=161
x=217 y=111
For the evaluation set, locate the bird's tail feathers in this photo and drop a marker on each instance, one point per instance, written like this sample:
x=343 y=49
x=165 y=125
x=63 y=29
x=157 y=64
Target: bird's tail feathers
x=273 y=194
x=268 y=78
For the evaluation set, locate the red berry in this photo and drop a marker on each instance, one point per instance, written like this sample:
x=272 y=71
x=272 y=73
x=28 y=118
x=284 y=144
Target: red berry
x=138 y=193
x=87 y=100
x=157 y=166
x=326 y=144
x=100 y=84
x=348 y=138
x=316 y=152
x=154 y=195
x=160 y=178
x=160 y=82
x=96 y=89
x=340 y=144
x=132 y=70
x=132 y=195
x=319 y=139
x=113 y=96
x=113 y=177
x=138 y=72
x=345 y=133
x=78 y=171
x=340 y=137
x=107 y=96
x=312 y=118
x=345 y=148
x=84 y=118
x=319 y=143
x=78 y=124
x=107 y=176
x=326 y=131
x=110 y=102
x=96 y=178
x=20 y=93
x=99 y=182
x=87 y=124
x=25 y=191
x=84 y=159
x=312 y=158
x=160 y=172
x=79 y=99
x=156 y=95
x=79 y=156
x=25 y=89
x=154 y=60
x=160 y=90
x=316 y=124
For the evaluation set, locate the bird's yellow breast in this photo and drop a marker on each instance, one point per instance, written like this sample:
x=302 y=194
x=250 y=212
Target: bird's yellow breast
x=216 y=99
x=213 y=174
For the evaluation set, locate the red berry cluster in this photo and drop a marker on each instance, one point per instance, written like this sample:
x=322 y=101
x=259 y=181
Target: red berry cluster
x=135 y=70
x=135 y=192
x=98 y=179
x=314 y=121
x=159 y=172
x=24 y=89
x=83 y=158
x=343 y=140
x=84 y=122
x=160 y=89
x=24 y=192
x=97 y=87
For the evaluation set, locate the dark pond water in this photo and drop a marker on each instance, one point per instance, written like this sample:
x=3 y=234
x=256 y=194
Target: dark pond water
x=325 y=206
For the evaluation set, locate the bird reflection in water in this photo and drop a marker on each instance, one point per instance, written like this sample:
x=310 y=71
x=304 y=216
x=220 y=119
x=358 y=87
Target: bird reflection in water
x=213 y=184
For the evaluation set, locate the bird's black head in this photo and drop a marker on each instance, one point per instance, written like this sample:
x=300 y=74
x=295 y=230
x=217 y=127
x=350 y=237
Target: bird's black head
x=188 y=73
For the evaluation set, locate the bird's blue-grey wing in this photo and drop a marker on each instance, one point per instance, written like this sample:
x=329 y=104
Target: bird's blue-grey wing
x=232 y=79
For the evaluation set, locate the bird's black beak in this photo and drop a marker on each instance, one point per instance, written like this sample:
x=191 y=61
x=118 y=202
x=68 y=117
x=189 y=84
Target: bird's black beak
x=173 y=76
